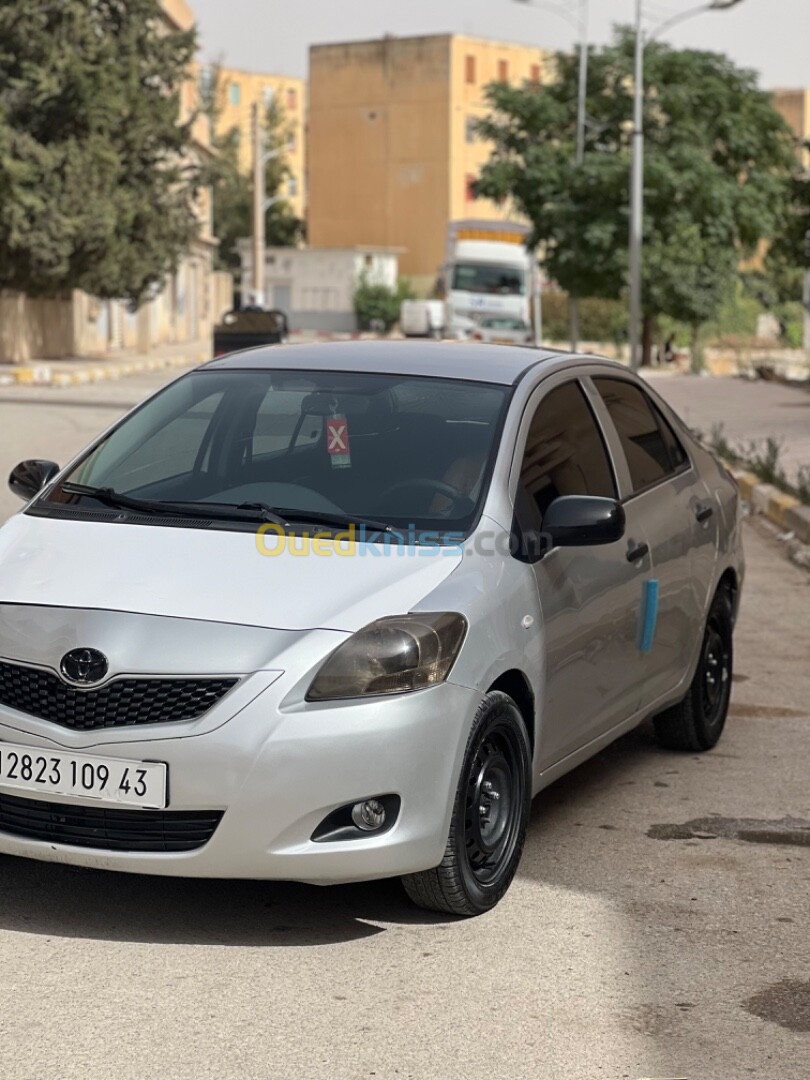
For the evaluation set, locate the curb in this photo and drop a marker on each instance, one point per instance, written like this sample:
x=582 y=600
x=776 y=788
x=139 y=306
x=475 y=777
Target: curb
x=783 y=510
x=48 y=375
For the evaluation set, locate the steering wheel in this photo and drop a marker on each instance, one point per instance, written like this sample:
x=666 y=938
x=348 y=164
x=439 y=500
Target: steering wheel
x=426 y=483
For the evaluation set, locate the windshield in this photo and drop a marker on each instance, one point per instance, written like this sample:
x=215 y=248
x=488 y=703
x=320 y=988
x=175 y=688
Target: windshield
x=398 y=451
x=489 y=278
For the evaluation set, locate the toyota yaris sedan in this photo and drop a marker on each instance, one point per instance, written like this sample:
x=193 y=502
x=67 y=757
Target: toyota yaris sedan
x=337 y=612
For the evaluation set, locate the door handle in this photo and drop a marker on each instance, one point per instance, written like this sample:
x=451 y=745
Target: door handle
x=638 y=551
x=703 y=511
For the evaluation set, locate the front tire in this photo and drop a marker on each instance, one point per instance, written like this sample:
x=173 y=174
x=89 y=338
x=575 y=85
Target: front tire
x=490 y=816
x=697 y=722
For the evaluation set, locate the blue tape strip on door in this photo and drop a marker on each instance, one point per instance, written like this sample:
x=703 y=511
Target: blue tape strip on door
x=649 y=615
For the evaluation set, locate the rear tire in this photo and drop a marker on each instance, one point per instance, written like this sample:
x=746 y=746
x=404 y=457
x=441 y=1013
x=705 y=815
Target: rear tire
x=697 y=722
x=490 y=815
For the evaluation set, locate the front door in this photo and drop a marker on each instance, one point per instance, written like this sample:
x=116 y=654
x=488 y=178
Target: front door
x=590 y=597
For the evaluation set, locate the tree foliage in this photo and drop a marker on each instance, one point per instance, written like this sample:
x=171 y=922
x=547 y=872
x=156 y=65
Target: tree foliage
x=377 y=306
x=717 y=157
x=97 y=189
x=233 y=188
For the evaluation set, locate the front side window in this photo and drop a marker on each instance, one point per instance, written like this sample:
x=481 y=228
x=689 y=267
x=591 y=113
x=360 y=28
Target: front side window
x=489 y=278
x=651 y=456
x=393 y=449
x=564 y=455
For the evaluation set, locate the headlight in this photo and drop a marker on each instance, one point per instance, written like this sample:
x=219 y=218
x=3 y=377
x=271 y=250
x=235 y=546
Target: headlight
x=392 y=656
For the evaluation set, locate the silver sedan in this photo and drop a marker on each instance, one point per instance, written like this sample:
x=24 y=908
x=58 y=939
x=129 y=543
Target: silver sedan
x=338 y=612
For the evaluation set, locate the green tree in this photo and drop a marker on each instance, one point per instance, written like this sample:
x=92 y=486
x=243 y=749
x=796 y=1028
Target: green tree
x=788 y=258
x=717 y=157
x=233 y=189
x=97 y=187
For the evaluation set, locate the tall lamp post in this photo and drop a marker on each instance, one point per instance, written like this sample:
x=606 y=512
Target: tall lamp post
x=637 y=166
x=580 y=24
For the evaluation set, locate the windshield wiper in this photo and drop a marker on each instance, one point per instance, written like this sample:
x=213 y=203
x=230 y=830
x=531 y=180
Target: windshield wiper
x=110 y=497
x=218 y=511
x=338 y=520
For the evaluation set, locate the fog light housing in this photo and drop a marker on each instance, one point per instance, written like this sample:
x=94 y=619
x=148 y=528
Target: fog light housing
x=369 y=815
x=359 y=820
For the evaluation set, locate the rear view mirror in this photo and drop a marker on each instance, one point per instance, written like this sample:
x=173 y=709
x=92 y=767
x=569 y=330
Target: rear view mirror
x=29 y=477
x=582 y=520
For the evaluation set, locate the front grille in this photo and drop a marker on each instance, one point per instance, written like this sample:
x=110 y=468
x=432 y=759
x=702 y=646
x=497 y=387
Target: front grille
x=123 y=703
x=105 y=827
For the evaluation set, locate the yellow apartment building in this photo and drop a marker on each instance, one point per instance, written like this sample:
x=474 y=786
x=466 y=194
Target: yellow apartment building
x=239 y=90
x=392 y=147
x=794 y=105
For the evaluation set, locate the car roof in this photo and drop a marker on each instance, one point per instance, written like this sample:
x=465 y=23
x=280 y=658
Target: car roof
x=475 y=362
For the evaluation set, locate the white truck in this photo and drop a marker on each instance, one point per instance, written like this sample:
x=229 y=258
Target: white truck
x=488 y=273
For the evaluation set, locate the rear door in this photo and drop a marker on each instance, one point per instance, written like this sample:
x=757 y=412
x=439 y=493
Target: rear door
x=589 y=596
x=666 y=498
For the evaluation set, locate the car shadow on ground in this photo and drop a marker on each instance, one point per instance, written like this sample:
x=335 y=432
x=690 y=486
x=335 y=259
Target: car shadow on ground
x=62 y=901
x=68 y=902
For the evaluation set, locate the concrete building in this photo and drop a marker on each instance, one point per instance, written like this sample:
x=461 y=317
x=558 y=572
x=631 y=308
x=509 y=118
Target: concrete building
x=392 y=150
x=794 y=105
x=183 y=312
x=315 y=287
x=239 y=90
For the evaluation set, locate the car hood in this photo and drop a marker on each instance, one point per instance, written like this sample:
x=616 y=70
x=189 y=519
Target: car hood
x=211 y=575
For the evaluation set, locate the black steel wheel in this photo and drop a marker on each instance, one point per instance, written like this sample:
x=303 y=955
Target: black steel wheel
x=697 y=722
x=490 y=815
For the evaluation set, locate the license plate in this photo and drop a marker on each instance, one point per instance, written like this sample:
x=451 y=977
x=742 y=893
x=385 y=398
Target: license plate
x=502 y=341
x=100 y=779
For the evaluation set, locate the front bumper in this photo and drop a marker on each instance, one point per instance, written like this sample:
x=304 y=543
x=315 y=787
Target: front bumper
x=276 y=770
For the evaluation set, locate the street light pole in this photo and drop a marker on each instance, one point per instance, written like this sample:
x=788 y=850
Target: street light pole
x=637 y=165
x=637 y=193
x=258 y=205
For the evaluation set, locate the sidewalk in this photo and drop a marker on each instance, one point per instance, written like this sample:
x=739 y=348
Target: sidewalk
x=60 y=373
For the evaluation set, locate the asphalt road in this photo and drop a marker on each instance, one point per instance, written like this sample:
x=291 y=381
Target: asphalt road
x=747 y=411
x=657 y=928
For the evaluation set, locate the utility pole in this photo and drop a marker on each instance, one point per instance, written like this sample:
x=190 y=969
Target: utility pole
x=580 y=149
x=637 y=194
x=259 y=160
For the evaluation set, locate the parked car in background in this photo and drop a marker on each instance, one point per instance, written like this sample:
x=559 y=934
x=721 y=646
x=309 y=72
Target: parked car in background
x=245 y=328
x=338 y=612
x=496 y=330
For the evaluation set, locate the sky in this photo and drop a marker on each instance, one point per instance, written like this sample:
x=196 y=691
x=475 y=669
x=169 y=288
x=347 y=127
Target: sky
x=771 y=36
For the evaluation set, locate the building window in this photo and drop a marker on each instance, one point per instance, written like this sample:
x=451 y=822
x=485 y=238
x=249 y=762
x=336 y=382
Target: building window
x=470 y=130
x=469 y=194
x=292 y=99
x=534 y=74
x=268 y=93
x=469 y=70
x=292 y=186
x=292 y=140
x=234 y=93
x=503 y=71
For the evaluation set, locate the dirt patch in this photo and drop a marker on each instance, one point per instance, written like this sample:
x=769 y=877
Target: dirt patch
x=769 y=711
x=786 y=1003
x=786 y=830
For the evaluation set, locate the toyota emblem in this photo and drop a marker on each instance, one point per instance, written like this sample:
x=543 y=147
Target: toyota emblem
x=84 y=666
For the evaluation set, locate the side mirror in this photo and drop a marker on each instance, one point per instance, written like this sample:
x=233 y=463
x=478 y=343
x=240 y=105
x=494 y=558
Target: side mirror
x=582 y=520
x=29 y=477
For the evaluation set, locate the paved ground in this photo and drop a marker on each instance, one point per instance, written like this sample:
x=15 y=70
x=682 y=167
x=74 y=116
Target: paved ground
x=747 y=410
x=658 y=926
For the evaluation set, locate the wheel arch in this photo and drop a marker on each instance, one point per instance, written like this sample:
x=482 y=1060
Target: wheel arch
x=729 y=582
x=516 y=684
